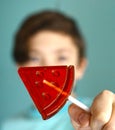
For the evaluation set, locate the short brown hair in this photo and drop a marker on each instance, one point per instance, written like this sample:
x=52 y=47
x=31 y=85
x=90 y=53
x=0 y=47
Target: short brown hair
x=46 y=20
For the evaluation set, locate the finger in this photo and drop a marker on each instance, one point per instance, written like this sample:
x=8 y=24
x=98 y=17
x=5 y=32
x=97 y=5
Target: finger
x=75 y=124
x=78 y=127
x=101 y=110
x=79 y=116
x=111 y=124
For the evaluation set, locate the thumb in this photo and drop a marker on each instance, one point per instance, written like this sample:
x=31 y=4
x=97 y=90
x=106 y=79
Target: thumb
x=79 y=116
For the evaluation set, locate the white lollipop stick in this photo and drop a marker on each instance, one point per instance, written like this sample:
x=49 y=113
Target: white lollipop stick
x=78 y=103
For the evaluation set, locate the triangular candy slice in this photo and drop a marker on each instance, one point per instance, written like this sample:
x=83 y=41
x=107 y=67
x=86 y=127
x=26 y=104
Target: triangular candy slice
x=48 y=100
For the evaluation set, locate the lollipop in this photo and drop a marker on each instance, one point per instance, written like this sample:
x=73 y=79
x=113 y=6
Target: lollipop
x=49 y=87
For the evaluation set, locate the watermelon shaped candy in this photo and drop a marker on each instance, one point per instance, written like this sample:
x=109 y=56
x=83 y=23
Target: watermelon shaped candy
x=49 y=87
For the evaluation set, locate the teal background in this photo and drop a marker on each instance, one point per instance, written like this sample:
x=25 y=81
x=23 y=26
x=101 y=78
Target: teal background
x=96 y=19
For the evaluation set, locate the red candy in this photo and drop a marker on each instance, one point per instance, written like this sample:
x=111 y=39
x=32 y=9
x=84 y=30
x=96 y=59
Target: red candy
x=48 y=86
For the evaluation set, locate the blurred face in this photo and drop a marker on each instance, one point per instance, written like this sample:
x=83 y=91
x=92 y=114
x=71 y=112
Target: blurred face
x=49 y=48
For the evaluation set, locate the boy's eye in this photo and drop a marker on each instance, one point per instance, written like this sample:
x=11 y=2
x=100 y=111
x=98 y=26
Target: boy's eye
x=62 y=58
x=34 y=59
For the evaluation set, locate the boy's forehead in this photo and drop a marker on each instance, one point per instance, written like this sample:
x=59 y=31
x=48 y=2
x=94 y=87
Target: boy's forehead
x=53 y=51
x=47 y=40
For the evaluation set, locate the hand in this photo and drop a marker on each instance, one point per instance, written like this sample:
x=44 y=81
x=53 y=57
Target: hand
x=101 y=116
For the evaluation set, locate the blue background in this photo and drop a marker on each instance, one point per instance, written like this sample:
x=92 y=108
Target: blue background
x=96 y=19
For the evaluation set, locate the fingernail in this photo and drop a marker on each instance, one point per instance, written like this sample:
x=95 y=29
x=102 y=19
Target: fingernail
x=73 y=113
x=84 y=119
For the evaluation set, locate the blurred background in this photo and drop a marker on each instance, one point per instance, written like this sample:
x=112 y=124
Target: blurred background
x=96 y=19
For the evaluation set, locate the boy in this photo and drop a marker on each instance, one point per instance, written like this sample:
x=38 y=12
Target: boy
x=51 y=38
